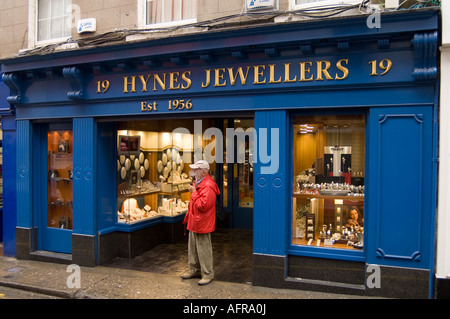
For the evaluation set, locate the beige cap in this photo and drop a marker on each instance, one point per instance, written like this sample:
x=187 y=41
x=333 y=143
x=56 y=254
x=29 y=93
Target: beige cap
x=200 y=164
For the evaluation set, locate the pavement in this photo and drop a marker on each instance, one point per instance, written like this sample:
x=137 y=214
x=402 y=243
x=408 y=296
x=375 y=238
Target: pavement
x=101 y=282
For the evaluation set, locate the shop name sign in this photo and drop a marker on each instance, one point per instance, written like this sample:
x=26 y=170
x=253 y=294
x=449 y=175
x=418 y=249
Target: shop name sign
x=221 y=77
x=285 y=74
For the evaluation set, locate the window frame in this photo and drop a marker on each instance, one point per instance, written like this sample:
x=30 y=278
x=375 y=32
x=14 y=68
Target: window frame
x=142 y=19
x=33 y=21
x=326 y=252
x=293 y=6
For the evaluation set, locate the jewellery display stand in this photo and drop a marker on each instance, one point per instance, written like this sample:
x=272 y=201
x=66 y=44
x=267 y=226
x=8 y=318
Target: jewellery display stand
x=310 y=226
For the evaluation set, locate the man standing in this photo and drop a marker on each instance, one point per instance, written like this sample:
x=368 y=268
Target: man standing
x=201 y=222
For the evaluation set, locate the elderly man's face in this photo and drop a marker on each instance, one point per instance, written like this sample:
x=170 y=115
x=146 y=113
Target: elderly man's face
x=198 y=173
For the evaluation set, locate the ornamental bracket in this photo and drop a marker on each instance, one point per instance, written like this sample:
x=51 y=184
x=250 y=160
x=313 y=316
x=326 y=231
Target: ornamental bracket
x=15 y=84
x=75 y=77
x=425 y=56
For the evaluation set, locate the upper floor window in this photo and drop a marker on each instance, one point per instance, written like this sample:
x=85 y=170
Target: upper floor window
x=53 y=19
x=170 y=12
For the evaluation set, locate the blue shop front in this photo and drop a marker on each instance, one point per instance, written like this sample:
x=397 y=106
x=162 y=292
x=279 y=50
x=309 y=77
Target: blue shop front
x=321 y=135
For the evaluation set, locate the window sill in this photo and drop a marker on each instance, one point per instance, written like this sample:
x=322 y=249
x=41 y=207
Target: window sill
x=329 y=253
x=170 y=24
x=294 y=7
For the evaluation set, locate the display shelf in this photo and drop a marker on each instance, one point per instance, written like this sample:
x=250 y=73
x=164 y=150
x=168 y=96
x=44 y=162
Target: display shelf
x=58 y=179
x=129 y=194
x=309 y=196
x=340 y=244
x=144 y=223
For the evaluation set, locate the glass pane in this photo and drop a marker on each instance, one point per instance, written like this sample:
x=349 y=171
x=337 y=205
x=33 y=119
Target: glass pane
x=189 y=9
x=152 y=170
x=328 y=201
x=159 y=11
x=58 y=9
x=59 y=166
x=44 y=30
x=225 y=170
x=56 y=30
x=245 y=163
x=44 y=9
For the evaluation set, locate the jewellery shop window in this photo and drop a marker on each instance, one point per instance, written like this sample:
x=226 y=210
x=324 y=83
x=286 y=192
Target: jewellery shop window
x=328 y=199
x=59 y=169
x=152 y=169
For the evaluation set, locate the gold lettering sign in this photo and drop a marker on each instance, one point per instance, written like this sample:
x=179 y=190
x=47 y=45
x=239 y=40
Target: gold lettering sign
x=260 y=74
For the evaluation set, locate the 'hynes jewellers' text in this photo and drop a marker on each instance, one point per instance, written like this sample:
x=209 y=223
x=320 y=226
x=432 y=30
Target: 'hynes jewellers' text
x=255 y=75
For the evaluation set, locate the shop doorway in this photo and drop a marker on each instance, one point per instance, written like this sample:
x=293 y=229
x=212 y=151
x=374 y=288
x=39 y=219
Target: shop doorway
x=237 y=186
x=56 y=195
x=233 y=238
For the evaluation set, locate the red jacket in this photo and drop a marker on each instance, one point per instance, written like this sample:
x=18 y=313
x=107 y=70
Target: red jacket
x=201 y=214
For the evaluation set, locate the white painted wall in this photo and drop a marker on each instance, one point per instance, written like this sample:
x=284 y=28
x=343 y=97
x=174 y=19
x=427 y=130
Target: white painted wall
x=443 y=213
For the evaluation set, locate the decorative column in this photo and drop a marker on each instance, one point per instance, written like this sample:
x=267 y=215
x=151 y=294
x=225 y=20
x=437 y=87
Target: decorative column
x=24 y=189
x=271 y=197
x=84 y=192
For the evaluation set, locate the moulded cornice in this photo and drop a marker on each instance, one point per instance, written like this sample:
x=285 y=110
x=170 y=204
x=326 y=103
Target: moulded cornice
x=300 y=39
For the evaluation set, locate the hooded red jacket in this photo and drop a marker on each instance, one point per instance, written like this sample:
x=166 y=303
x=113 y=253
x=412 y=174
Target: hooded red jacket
x=201 y=214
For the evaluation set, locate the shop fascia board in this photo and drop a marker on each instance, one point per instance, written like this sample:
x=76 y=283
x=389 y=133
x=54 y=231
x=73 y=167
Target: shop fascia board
x=275 y=35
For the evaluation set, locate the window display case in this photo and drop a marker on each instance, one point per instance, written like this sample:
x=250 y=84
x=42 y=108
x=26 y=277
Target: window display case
x=152 y=178
x=328 y=199
x=333 y=221
x=59 y=172
x=151 y=184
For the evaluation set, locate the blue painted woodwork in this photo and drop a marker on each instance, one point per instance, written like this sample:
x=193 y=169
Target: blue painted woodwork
x=313 y=33
x=84 y=86
x=48 y=238
x=106 y=180
x=5 y=107
x=401 y=181
x=271 y=195
x=84 y=176
x=292 y=100
x=425 y=56
x=75 y=77
x=399 y=104
x=15 y=84
x=9 y=185
x=24 y=156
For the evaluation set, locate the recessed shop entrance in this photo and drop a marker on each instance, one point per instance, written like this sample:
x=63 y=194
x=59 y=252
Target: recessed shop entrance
x=152 y=169
x=232 y=252
x=238 y=172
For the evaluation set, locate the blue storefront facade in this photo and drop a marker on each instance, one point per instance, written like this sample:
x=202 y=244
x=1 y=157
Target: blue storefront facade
x=8 y=217
x=322 y=74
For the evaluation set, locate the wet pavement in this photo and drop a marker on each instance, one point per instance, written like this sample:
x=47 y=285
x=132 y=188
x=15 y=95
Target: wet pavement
x=232 y=250
x=117 y=283
x=152 y=275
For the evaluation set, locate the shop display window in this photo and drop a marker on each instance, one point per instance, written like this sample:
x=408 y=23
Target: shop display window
x=59 y=170
x=329 y=166
x=153 y=169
